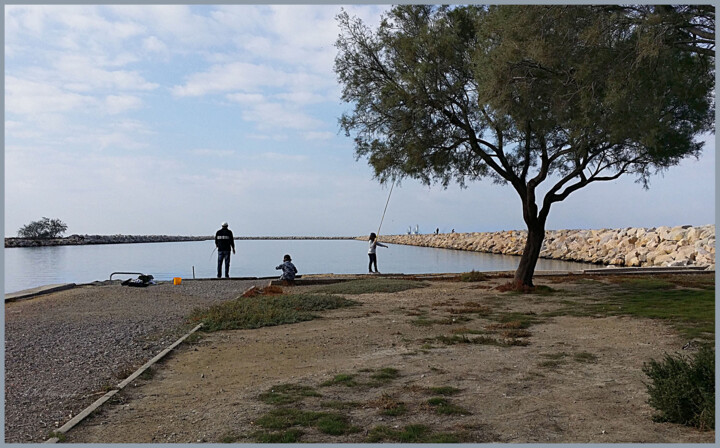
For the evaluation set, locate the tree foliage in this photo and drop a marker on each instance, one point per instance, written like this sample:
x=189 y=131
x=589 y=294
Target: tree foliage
x=523 y=95
x=43 y=229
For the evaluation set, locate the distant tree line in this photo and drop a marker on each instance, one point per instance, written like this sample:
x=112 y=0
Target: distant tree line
x=45 y=228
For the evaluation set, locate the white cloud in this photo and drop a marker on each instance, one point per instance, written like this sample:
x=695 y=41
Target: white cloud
x=116 y=104
x=23 y=96
x=277 y=157
x=246 y=98
x=214 y=153
x=154 y=45
x=318 y=135
x=228 y=77
x=269 y=116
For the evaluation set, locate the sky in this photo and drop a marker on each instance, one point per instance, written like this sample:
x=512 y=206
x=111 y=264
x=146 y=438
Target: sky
x=171 y=119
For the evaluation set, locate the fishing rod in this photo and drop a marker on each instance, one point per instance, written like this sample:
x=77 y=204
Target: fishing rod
x=386 y=205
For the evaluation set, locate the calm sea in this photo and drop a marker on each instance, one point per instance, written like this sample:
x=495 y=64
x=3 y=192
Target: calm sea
x=36 y=266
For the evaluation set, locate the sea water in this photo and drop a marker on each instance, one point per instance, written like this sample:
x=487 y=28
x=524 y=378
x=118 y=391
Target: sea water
x=29 y=267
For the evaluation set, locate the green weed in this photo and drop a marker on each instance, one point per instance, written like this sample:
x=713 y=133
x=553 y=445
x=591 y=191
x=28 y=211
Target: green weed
x=473 y=276
x=444 y=390
x=262 y=311
x=326 y=422
x=343 y=378
x=585 y=357
x=683 y=389
x=287 y=393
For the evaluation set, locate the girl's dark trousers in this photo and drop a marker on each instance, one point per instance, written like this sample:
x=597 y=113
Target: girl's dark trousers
x=373 y=260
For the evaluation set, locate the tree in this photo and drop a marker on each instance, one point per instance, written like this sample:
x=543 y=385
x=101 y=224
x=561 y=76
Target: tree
x=44 y=229
x=523 y=95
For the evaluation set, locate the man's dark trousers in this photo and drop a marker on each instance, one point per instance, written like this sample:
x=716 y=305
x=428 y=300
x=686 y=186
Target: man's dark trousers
x=223 y=254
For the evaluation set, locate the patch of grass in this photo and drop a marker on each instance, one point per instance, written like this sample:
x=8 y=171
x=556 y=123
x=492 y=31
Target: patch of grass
x=287 y=393
x=62 y=438
x=683 y=389
x=372 y=285
x=559 y=355
x=147 y=374
x=687 y=302
x=228 y=438
x=471 y=308
x=335 y=424
x=263 y=311
x=514 y=334
x=444 y=390
x=412 y=434
x=552 y=363
x=585 y=357
x=515 y=320
x=513 y=289
x=194 y=338
x=337 y=404
x=326 y=422
x=443 y=406
x=473 y=276
x=424 y=321
x=465 y=330
x=463 y=339
x=289 y=436
x=389 y=405
x=345 y=379
x=385 y=375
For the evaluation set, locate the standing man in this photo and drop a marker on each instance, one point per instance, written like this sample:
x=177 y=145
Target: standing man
x=224 y=241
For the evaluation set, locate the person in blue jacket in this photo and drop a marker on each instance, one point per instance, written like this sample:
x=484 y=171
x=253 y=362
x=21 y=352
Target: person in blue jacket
x=288 y=269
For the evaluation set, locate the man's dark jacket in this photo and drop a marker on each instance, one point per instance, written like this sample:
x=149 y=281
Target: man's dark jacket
x=224 y=240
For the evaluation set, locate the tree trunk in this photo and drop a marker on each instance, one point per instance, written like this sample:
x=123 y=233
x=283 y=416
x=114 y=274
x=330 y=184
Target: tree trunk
x=526 y=268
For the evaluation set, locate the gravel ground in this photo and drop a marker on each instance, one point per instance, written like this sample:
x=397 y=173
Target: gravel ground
x=63 y=349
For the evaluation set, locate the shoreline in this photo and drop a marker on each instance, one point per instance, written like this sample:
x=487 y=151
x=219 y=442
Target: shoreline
x=632 y=246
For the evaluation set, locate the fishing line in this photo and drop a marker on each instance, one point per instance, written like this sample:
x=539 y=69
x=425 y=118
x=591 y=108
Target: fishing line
x=386 y=205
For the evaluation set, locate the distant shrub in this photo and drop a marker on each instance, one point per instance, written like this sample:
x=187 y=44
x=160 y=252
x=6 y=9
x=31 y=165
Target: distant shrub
x=473 y=276
x=683 y=390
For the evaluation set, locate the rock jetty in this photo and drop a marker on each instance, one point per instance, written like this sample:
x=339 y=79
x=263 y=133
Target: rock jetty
x=646 y=247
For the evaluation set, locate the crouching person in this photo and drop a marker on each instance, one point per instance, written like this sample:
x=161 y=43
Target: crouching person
x=288 y=270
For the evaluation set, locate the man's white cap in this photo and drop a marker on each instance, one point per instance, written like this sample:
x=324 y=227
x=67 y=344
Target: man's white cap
x=225 y=224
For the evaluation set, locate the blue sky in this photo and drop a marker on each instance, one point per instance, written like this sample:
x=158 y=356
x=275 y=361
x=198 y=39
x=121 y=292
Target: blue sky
x=143 y=119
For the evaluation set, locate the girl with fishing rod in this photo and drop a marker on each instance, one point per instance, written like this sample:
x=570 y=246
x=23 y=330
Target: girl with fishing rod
x=373 y=238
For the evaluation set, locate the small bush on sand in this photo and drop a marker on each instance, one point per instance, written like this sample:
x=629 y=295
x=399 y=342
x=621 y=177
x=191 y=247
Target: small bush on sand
x=683 y=389
x=473 y=276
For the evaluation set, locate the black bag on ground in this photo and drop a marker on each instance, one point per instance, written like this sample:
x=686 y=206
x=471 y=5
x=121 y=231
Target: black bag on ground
x=141 y=282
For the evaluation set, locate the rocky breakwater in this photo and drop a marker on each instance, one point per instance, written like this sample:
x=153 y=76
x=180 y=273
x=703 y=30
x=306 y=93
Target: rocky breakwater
x=76 y=240
x=657 y=246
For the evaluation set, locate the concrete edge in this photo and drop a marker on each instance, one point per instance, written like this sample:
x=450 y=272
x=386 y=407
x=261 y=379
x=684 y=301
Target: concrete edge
x=99 y=402
x=38 y=291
